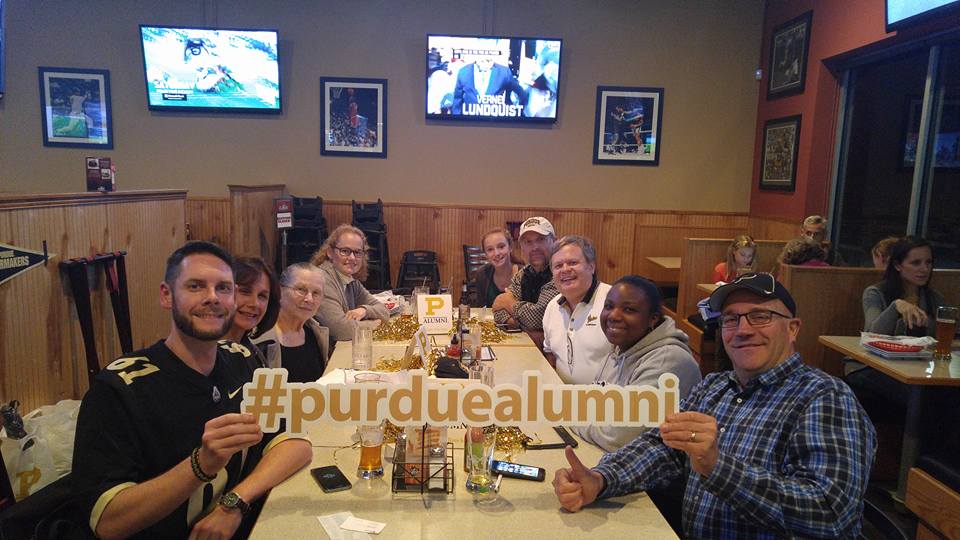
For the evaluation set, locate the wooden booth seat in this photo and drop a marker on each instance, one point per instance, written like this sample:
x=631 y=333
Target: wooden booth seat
x=830 y=302
x=935 y=503
x=697 y=261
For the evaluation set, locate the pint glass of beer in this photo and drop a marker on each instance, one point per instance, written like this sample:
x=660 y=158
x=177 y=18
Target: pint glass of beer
x=371 y=450
x=946 y=328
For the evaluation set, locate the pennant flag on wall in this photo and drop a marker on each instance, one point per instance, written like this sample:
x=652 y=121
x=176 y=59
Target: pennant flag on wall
x=14 y=261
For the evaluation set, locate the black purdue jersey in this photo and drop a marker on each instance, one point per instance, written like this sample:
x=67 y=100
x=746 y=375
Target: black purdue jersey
x=143 y=415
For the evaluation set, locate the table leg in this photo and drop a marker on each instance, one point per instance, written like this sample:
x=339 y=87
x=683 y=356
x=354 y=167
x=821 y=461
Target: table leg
x=911 y=438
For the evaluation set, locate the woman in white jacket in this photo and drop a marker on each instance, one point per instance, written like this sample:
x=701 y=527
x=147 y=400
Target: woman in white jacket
x=647 y=344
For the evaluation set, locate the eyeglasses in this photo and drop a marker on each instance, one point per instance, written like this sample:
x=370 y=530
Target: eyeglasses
x=346 y=252
x=302 y=292
x=761 y=317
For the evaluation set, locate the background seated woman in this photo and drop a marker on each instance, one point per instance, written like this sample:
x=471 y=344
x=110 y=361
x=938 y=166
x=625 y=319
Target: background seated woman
x=297 y=342
x=258 y=301
x=492 y=278
x=342 y=261
x=741 y=258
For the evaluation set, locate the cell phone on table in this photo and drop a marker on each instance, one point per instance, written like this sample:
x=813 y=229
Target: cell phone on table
x=564 y=436
x=330 y=479
x=516 y=470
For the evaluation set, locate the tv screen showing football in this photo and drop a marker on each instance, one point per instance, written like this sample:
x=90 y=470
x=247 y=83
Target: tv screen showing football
x=507 y=79
x=214 y=70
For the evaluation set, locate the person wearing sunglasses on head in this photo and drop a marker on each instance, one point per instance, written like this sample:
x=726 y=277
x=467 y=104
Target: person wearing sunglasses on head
x=298 y=342
x=772 y=449
x=346 y=303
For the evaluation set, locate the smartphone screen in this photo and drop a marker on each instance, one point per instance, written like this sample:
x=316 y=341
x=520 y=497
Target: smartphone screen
x=516 y=470
x=330 y=479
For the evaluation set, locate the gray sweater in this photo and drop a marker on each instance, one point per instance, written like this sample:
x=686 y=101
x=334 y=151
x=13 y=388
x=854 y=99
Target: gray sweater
x=338 y=298
x=881 y=316
x=663 y=350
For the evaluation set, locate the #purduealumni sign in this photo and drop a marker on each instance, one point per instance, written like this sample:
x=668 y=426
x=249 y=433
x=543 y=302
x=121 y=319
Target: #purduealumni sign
x=14 y=260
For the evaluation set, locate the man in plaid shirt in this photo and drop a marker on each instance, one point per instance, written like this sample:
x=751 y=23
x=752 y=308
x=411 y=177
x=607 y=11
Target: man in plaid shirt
x=523 y=303
x=773 y=449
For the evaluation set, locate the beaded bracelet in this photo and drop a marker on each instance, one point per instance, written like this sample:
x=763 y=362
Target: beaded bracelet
x=195 y=465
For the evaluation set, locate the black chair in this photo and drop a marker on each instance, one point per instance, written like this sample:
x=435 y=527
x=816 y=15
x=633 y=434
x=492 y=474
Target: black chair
x=378 y=261
x=473 y=259
x=369 y=216
x=419 y=268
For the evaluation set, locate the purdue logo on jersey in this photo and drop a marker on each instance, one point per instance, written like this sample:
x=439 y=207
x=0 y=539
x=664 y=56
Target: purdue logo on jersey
x=234 y=347
x=129 y=369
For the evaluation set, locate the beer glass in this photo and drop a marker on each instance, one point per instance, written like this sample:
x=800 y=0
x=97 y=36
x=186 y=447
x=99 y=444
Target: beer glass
x=478 y=449
x=946 y=328
x=362 y=347
x=371 y=451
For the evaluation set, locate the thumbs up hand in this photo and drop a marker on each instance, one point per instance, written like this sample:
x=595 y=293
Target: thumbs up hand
x=577 y=486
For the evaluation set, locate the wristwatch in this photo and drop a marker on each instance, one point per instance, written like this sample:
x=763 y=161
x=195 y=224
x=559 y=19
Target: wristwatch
x=230 y=500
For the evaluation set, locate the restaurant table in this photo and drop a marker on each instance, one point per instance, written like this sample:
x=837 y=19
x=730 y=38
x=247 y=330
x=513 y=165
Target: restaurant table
x=667 y=263
x=707 y=288
x=522 y=506
x=513 y=339
x=918 y=374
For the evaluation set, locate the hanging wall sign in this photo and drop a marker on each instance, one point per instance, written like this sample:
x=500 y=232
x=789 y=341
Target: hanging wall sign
x=14 y=260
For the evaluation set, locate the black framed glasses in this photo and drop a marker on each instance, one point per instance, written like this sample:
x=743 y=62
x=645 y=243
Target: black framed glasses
x=346 y=252
x=760 y=317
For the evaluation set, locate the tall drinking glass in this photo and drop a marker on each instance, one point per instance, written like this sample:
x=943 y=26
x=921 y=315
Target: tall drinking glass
x=946 y=329
x=478 y=448
x=362 y=347
x=371 y=438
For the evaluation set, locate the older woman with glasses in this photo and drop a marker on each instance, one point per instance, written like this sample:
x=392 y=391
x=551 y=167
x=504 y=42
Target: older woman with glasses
x=342 y=261
x=297 y=342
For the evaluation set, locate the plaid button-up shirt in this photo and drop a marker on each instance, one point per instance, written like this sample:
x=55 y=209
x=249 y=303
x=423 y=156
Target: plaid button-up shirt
x=795 y=451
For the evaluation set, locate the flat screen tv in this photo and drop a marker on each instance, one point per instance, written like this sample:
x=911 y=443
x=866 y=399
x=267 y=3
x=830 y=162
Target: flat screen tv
x=498 y=79
x=211 y=69
x=902 y=13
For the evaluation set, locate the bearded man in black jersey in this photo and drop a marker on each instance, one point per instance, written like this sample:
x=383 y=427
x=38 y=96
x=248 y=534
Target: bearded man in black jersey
x=161 y=449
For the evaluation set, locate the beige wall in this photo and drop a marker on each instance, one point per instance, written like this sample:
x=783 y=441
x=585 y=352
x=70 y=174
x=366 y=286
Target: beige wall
x=702 y=52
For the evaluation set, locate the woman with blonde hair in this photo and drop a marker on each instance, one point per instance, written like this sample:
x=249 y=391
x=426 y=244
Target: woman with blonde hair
x=342 y=260
x=741 y=258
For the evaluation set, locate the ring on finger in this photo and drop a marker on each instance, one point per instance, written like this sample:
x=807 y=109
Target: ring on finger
x=693 y=436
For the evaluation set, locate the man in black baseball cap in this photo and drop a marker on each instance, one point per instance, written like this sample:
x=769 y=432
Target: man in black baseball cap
x=774 y=448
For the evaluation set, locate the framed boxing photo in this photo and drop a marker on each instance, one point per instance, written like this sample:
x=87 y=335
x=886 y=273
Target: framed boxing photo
x=353 y=117
x=627 y=126
x=781 y=140
x=789 y=45
x=75 y=108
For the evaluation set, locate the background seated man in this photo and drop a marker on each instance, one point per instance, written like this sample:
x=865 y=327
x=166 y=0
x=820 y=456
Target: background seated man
x=523 y=303
x=161 y=449
x=774 y=448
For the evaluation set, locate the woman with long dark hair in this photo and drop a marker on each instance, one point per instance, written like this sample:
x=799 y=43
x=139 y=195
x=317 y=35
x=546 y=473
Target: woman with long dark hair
x=904 y=303
x=258 y=302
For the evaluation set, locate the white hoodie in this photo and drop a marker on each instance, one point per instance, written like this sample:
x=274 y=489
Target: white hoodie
x=663 y=350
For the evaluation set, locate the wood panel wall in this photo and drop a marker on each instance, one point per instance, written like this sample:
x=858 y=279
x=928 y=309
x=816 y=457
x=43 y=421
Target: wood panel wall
x=42 y=359
x=208 y=218
x=623 y=238
x=773 y=228
x=253 y=225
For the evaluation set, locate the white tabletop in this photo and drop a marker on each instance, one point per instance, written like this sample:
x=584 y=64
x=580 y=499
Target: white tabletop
x=290 y=511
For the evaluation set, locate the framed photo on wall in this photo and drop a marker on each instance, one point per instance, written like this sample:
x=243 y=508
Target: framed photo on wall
x=781 y=139
x=627 y=126
x=75 y=107
x=353 y=119
x=789 y=44
x=946 y=145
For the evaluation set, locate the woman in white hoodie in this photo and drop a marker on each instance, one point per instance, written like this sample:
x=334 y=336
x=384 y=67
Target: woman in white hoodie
x=646 y=344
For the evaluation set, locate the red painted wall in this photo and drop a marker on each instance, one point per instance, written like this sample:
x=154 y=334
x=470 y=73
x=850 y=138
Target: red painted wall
x=838 y=26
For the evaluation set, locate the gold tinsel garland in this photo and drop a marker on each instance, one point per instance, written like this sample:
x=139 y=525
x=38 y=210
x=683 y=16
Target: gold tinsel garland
x=403 y=328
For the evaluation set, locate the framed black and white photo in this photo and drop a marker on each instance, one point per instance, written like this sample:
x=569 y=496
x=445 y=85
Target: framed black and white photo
x=788 y=57
x=353 y=119
x=627 y=126
x=781 y=139
x=75 y=107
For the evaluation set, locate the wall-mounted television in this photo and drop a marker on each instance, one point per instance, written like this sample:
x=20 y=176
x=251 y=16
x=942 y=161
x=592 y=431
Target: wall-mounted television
x=903 y=13
x=211 y=69
x=499 y=79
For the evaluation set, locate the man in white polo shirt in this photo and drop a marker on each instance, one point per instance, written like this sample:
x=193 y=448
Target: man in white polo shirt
x=573 y=340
